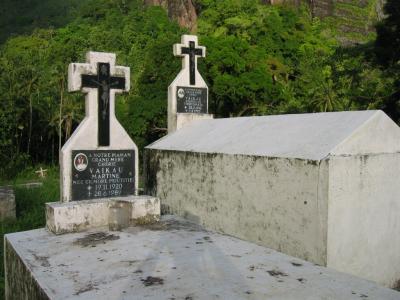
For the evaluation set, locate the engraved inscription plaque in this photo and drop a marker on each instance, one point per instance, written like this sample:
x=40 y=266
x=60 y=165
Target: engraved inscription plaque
x=102 y=174
x=191 y=100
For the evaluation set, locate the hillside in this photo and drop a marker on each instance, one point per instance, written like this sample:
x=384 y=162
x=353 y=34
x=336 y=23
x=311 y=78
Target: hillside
x=353 y=20
x=261 y=59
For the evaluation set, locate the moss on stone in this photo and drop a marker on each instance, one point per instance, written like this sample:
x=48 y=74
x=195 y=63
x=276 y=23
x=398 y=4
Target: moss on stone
x=353 y=21
x=148 y=219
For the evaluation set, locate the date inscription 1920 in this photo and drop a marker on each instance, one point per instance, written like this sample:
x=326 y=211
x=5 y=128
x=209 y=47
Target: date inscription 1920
x=102 y=173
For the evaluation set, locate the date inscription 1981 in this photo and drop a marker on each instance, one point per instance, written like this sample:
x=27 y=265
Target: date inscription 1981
x=102 y=173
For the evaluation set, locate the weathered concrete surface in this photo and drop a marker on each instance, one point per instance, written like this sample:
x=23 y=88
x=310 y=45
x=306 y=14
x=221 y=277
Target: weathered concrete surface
x=364 y=216
x=268 y=180
x=7 y=203
x=248 y=197
x=19 y=280
x=306 y=136
x=173 y=260
x=75 y=216
x=184 y=119
x=377 y=135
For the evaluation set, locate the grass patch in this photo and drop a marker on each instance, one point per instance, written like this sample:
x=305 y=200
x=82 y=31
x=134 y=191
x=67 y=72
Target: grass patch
x=30 y=204
x=29 y=175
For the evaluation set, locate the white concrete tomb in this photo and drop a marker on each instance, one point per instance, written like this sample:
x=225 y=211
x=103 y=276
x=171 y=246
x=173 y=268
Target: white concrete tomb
x=188 y=93
x=322 y=187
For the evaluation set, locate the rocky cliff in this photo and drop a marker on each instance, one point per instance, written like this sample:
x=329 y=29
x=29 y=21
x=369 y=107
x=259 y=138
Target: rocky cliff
x=353 y=20
x=183 y=11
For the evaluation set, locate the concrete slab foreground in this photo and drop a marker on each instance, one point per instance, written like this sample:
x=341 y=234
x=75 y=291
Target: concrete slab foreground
x=173 y=259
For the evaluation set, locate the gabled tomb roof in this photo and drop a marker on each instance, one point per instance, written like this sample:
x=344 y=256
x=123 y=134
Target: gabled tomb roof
x=306 y=136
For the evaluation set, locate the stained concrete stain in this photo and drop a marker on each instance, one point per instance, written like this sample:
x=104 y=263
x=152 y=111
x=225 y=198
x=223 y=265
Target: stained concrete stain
x=210 y=172
x=277 y=273
x=172 y=225
x=94 y=239
x=86 y=288
x=396 y=286
x=154 y=284
x=301 y=280
x=130 y=262
x=150 y=281
x=44 y=260
x=148 y=219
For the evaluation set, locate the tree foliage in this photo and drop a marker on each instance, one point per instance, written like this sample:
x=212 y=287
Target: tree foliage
x=37 y=112
x=387 y=50
x=260 y=60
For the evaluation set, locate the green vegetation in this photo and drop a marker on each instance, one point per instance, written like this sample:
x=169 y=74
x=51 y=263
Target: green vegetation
x=261 y=59
x=353 y=21
x=38 y=114
x=30 y=208
x=24 y=16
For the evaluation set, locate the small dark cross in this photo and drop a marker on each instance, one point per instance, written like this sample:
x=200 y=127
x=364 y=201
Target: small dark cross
x=103 y=81
x=192 y=51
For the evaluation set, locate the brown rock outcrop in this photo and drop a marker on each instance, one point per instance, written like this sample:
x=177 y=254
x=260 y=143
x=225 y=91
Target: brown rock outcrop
x=183 y=11
x=353 y=17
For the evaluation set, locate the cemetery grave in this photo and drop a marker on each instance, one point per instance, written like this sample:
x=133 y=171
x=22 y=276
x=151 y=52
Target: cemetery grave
x=188 y=92
x=100 y=160
x=320 y=187
x=104 y=241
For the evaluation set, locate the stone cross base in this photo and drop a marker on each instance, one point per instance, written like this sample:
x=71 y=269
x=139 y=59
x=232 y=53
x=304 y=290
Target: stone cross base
x=183 y=119
x=116 y=213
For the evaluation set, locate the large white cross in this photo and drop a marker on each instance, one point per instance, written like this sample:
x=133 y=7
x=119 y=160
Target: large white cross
x=101 y=79
x=189 y=50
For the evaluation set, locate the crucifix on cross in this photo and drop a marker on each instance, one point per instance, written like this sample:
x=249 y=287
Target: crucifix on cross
x=103 y=82
x=96 y=76
x=189 y=50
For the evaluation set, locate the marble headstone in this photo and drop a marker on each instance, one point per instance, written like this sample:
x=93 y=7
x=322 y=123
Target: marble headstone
x=99 y=160
x=188 y=93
